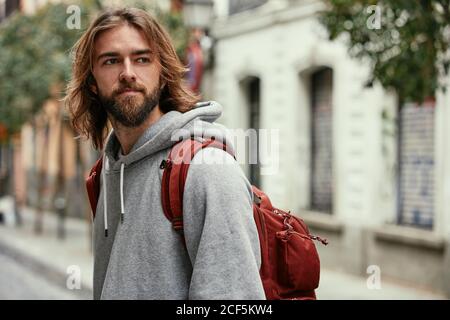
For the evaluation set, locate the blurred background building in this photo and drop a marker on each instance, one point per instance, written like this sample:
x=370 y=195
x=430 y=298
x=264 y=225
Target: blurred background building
x=364 y=169
x=370 y=175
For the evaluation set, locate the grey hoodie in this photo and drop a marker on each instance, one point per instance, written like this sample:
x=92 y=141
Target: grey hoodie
x=143 y=257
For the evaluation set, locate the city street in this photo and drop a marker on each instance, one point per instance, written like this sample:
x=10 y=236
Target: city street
x=21 y=283
x=35 y=267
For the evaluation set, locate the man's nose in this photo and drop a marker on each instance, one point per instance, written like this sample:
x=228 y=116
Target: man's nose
x=127 y=74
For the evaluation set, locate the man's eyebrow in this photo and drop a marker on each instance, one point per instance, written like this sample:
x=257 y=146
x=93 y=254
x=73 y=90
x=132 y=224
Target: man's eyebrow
x=142 y=51
x=116 y=54
x=108 y=54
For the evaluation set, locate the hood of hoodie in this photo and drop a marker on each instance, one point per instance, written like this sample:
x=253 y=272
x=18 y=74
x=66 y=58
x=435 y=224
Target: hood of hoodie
x=169 y=129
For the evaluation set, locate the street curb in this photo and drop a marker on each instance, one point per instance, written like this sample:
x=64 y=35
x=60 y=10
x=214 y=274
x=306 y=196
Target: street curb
x=50 y=273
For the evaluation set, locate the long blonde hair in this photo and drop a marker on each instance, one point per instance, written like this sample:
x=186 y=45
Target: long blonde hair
x=87 y=115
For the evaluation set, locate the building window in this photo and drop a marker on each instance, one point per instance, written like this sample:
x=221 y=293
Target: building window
x=7 y=7
x=321 y=141
x=237 y=6
x=254 y=123
x=250 y=122
x=416 y=165
x=2 y=10
x=11 y=6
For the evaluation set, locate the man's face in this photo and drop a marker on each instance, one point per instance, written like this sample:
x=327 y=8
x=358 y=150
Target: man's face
x=127 y=74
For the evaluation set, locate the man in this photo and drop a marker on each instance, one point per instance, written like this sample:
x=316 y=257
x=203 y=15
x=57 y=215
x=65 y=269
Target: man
x=125 y=70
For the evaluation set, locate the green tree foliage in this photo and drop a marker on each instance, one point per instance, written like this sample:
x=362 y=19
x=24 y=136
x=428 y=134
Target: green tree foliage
x=406 y=42
x=35 y=60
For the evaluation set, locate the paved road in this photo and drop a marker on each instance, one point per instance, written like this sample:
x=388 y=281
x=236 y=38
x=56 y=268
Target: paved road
x=19 y=282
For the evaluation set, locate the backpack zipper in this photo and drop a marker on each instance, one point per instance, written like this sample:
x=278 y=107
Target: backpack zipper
x=317 y=238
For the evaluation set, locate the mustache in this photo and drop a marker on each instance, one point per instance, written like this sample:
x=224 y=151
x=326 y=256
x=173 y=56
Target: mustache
x=128 y=86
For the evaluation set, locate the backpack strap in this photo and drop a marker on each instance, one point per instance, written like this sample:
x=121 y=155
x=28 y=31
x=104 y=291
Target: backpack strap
x=174 y=177
x=93 y=184
x=173 y=180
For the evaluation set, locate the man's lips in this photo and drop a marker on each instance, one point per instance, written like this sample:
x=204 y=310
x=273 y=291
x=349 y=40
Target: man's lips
x=129 y=91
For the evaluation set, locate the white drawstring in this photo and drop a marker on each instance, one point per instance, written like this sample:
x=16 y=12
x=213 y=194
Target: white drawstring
x=122 y=207
x=105 y=208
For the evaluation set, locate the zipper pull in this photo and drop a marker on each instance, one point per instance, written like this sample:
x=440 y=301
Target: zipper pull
x=165 y=164
x=317 y=238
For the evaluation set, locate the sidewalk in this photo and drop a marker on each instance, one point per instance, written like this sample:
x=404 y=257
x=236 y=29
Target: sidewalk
x=47 y=254
x=336 y=285
x=52 y=257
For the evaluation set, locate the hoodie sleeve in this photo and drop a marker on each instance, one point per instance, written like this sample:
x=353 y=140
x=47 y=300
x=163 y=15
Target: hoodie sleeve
x=220 y=232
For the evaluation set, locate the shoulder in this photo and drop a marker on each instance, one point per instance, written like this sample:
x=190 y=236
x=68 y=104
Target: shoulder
x=213 y=168
x=213 y=156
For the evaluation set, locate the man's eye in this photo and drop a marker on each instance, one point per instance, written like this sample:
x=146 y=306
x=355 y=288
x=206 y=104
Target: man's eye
x=110 y=61
x=143 y=60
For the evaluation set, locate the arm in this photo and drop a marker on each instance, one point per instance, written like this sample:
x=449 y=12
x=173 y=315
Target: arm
x=220 y=232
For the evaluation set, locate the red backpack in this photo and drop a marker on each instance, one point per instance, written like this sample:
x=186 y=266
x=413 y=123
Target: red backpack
x=290 y=265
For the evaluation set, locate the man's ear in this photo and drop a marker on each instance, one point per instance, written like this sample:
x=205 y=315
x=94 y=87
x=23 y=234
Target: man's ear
x=92 y=84
x=93 y=88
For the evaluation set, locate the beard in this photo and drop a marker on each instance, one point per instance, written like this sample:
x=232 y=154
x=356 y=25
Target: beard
x=131 y=111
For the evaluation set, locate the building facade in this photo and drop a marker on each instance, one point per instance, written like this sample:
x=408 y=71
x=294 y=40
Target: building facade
x=372 y=177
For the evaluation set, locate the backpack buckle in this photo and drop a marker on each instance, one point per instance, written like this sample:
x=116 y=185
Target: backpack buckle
x=165 y=164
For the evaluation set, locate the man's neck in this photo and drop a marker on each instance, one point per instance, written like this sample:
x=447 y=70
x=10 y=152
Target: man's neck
x=128 y=136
